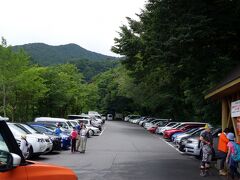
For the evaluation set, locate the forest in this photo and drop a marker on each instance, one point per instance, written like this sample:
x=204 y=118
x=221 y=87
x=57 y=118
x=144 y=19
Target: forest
x=174 y=53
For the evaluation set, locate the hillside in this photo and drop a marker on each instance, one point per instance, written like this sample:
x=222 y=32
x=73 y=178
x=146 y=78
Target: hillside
x=44 y=54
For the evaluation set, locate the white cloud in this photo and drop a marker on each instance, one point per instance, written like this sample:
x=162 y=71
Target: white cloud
x=92 y=24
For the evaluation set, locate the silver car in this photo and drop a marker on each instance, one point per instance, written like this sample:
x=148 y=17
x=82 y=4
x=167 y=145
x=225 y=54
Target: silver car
x=192 y=145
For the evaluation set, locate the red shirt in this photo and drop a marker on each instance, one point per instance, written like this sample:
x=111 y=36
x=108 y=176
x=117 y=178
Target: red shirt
x=74 y=134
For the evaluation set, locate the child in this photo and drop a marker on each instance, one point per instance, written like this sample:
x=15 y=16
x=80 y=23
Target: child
x=231 y=163
x=24 y=146
x=74 y=135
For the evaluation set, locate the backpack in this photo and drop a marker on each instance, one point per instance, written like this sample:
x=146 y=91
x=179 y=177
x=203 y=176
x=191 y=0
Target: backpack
x=236 y=155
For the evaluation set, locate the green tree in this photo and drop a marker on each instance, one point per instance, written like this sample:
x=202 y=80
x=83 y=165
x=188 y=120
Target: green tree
x=177 y=51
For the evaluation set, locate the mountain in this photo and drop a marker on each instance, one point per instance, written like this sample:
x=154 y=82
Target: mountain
x=44 y=54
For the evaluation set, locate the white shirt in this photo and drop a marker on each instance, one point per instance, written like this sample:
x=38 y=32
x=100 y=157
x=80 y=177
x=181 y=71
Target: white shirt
x=83 y=132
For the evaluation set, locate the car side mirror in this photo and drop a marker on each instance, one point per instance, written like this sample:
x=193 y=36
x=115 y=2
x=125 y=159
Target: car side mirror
x=8 y=160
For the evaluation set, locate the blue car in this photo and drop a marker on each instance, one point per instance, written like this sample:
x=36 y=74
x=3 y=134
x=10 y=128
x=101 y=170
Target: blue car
x=65 y=139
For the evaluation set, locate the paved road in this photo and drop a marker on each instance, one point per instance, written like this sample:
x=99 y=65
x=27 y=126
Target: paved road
x=124 y=152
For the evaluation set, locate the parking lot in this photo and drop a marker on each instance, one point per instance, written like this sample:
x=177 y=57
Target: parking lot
x=126 y=151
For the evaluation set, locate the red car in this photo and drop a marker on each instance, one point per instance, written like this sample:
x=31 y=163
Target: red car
x=168 y=133
x=152 y=129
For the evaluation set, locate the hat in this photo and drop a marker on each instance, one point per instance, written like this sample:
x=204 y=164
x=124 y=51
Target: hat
x=230 y=136
x=206 y=126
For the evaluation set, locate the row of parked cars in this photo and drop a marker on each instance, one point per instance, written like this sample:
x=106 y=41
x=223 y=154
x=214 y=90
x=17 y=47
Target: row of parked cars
x=184 y=135
x=41 y=133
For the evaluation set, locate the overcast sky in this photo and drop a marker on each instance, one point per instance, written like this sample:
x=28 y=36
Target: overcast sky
x=92 y=24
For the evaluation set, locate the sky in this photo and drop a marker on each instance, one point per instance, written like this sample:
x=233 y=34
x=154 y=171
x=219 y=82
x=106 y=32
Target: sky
x=92 y=24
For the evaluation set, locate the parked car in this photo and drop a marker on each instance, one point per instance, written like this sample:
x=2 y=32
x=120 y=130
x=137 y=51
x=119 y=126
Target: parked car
x=39 y=146
x=81 y=116
x=64 y=123
x=142 y=119
x=170 y=125
x=85 y=117
x=182 y=144
x=109 y=117
x=192 y=146
x=136 y=121
x=167 y=134
x=46 y=139
x=14 y=166
x=177 y=136
x=186 y=135
x=130 y=117
x=65 y=139
x=156 y=123
x=147 y=121
x=56 y=140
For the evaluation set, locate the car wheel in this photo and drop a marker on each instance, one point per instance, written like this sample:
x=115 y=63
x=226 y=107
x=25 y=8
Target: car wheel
x=88 y=134
x=181 y=148
x=30 y=153
x=92 y=132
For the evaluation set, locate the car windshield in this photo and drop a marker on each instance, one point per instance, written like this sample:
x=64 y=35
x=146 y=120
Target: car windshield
x=43 y=130
x=69 y=124
x=176 y=125
x=23 y=128
x=84 y=121
x=74 y=124
x=16 y=130
x=161 y=123
x=29 y=128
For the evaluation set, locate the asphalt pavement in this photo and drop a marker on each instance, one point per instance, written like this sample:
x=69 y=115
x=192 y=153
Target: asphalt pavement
x=126 y=151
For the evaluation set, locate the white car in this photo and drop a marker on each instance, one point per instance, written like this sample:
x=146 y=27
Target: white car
x=151 y=123
x=109 y=117
x=94 y=130
x=157 y=124
x=39 y=145
x=46 y=138
x=170 y=125
x=4 y=118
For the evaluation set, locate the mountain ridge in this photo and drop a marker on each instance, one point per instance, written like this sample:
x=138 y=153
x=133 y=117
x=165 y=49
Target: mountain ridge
x=45 y=54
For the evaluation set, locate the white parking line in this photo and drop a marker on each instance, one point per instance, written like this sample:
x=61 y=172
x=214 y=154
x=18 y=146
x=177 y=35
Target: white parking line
x=171 y=146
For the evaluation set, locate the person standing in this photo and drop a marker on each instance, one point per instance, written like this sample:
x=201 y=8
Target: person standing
x=222 y=150
x=58 y=130
x=229 y=160
x=79 y=127
x=74 y=135
x=24 y=146
x=206 y=144
x=83 y=139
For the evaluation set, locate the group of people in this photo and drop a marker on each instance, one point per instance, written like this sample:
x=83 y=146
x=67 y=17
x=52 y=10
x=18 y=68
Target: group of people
x=226 y=149
x=79 y=138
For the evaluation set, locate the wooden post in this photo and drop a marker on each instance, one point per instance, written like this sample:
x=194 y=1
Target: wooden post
x=224 y=113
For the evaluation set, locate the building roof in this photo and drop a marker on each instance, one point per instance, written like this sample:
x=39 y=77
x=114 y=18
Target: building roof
x=229 y=85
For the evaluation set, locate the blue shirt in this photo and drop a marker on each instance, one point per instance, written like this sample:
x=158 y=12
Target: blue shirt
x=58 y=131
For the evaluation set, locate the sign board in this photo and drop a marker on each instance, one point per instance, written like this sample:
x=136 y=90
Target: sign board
x=235 y=109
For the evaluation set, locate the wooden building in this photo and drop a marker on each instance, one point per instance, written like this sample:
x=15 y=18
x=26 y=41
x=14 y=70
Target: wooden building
x=228 y=92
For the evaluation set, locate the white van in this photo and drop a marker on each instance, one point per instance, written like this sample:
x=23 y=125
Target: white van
x=65 y=124
x=109 y=117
